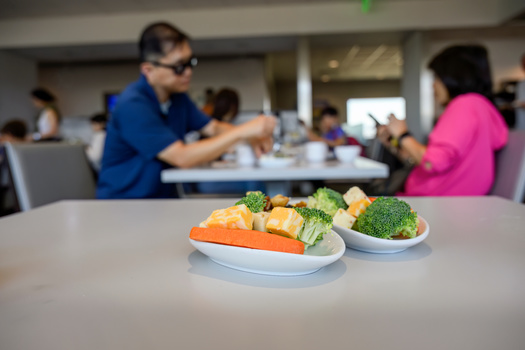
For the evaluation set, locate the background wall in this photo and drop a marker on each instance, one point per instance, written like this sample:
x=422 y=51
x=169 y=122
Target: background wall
x=80 y=87
x=18 y=76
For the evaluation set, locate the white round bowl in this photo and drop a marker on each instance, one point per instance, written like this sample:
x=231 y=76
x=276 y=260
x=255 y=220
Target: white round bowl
x=316 y=151
x=360 y=241
x=347 y=154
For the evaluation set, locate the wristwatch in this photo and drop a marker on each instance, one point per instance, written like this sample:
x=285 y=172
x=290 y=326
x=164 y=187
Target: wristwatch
x=401 y=137
x=396 y=141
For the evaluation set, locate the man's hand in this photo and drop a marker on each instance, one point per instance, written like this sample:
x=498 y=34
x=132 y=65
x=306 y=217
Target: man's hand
x=259 y=133
x=259 y=127
x=261 y=145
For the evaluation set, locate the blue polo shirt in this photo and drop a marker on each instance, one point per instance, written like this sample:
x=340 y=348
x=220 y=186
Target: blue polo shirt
x=137 y=131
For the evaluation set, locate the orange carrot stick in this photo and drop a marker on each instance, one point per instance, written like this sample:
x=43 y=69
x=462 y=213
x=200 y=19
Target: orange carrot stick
x=248 y=239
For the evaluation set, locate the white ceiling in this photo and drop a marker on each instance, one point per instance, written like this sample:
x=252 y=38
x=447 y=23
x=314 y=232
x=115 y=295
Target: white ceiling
x=10 y=9
x=359 y=55
x=354 y=62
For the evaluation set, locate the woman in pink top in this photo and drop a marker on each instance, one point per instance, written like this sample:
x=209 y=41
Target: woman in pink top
x=459 y=158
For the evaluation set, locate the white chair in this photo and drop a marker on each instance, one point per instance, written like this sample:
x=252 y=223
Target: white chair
x=510 y=168
x=43 y=173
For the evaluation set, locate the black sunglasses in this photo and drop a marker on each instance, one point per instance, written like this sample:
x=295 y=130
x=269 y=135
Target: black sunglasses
x=179 y=68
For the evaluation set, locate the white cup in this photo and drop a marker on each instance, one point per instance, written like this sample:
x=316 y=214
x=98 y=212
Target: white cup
x=315 y=152
x=245 y=155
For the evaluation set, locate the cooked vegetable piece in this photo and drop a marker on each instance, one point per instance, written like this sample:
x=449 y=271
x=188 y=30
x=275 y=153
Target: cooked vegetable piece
x=284 y=221
x=255 y=201
x=237 y=217
x=327 y=200
x=316 y=224
x=279 y=200
x=248 y=239
x=387 y=217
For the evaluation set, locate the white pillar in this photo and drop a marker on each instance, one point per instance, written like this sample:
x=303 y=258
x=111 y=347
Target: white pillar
x=416 y=85
x=269 y=96
x=304 y=81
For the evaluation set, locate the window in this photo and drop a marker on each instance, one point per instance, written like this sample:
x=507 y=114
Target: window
x=360 y=124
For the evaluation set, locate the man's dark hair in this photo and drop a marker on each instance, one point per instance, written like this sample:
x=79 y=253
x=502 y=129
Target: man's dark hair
x=464 y=69
x=329 y=111
x=16 y=128
x=158 y=39
x=43 y=95
x=99 y=118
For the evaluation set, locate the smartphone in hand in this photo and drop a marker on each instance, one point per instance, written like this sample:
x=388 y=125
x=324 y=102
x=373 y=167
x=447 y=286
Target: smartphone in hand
x=374 y=118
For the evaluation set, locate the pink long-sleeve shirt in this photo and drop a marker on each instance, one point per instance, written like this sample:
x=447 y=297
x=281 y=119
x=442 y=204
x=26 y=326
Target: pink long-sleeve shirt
x=459 y=160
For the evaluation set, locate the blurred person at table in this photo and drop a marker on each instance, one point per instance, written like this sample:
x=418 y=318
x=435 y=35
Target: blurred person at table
x=47 y=124
x=95 y=149
x=459 y=159
x=225 y=109
x=209 y=97
x=13 y=131
x=226 y=106
x=331 y=131
x=145 y=134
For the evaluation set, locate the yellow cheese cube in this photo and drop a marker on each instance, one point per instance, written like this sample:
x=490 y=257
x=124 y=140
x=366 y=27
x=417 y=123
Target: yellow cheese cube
x=237 y=217
x=358 y=207
x=285 y=222
x=357 y=201
x=344 y=218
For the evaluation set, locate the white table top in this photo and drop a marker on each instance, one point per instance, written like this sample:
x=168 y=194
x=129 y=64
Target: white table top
x=362 y=168
x=122 y=275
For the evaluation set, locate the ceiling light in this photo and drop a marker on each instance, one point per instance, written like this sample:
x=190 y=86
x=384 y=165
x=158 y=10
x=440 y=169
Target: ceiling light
x=325 y=78
x=333 y=64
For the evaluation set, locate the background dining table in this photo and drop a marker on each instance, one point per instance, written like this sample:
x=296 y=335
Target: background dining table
x=277 y=179
x=123 y=275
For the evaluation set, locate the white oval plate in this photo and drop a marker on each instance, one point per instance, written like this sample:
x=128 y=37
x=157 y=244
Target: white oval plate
x=265 y=262
x=360 y=241
x=275 y=162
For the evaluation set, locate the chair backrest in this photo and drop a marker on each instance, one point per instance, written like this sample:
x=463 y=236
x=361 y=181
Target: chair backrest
x=44 y=173
x=510 y=168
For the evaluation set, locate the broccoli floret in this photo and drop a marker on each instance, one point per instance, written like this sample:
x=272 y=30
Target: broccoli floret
x=316 y=223
x=387 y=217
x=327 y=200
x=255 y=201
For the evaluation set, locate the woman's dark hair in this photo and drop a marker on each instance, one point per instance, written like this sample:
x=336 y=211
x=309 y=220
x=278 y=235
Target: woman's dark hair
x=158 y=39
x=464 y=69
x=225 y=100
x=16 y=128
x=43 y=95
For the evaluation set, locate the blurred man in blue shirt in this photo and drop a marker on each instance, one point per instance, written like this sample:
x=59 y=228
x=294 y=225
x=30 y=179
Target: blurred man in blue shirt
x=146 y=131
